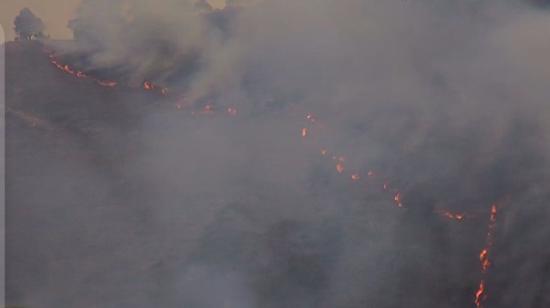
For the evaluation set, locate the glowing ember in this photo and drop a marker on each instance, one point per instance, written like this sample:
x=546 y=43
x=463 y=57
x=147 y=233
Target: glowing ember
x=68 y=69
x=483 y=255
x=304 y=132
x=480 y=294
x=147 y=85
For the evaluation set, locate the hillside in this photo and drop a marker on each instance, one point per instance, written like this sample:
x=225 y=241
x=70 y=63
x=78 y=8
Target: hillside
x=120 y=197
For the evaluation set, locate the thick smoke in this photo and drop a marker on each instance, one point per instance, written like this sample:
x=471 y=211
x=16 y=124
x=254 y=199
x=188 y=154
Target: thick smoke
x=449 y=100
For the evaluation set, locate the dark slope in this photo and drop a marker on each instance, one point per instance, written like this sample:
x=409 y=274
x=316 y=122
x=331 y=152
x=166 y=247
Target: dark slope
x=86 y=228
x=67 y=140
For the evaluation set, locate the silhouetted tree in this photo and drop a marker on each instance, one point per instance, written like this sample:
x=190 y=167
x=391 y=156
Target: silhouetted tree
x=28 y=26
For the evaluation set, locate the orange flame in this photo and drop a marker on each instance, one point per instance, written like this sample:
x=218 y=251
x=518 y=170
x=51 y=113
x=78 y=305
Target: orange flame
x=66 y=68
x=484 y=256
x=147 y=85
x=397 y=199
x=480 y=294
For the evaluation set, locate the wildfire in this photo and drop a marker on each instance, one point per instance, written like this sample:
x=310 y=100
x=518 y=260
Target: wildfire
x=481 y=292
x=484 y=259
x=147 y=85
x=485 y=263
x=67 y=69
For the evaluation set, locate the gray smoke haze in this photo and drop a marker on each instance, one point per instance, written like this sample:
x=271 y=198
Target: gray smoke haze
x=155 y=208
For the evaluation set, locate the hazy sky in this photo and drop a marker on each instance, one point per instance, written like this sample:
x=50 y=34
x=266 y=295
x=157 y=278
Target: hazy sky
x=55 y=13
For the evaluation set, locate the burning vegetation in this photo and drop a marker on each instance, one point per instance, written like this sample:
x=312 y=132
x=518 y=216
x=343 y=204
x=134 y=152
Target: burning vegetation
x=272 y=184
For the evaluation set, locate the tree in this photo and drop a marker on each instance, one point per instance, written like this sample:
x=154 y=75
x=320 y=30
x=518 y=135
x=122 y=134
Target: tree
x=28 y=26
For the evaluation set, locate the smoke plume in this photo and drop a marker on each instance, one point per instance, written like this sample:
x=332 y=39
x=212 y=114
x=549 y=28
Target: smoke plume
x=434 y=106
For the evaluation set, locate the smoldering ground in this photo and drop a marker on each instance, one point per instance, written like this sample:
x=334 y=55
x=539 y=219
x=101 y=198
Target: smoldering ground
x=121 y=201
